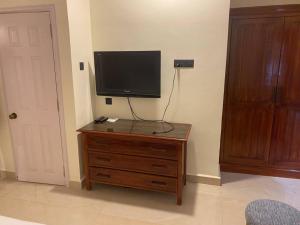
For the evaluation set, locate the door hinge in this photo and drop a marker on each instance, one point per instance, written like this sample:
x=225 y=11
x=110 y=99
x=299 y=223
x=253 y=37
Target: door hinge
x=51 y=34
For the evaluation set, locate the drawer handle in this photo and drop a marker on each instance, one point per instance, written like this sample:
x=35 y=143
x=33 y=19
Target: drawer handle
x=103 y=159
x=97 y=147
x=103 y=175
x=159 y=182
x=98 y=142
x=158 y=149
x=159 y=166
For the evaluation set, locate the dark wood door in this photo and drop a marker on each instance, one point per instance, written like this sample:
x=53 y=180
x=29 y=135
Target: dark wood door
x=285 y=151
x=252 y=72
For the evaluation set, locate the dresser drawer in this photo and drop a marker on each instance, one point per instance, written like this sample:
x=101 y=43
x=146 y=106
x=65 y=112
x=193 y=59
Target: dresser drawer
x=133 y=163
x=132 y=147
x=132 y=179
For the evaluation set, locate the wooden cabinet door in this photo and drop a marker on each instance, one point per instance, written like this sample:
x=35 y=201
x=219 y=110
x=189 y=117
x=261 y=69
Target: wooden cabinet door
x=252 y=72
x=285 y=151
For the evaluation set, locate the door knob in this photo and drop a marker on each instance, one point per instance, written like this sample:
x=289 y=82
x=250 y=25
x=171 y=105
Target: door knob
x=13 y=116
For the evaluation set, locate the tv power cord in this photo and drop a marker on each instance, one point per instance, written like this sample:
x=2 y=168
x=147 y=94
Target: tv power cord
x=162 y=120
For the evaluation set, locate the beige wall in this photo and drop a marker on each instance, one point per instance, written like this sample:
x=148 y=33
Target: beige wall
x=180 y=29
x=81 y=51
x=249 y=3
x=201 y=33
x=68 y=95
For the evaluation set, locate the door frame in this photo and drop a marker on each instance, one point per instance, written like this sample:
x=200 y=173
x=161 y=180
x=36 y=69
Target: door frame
x=58 y=77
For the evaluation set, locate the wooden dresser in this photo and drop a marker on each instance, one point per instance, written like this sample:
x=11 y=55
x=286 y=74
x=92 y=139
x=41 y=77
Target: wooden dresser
x=127 y=153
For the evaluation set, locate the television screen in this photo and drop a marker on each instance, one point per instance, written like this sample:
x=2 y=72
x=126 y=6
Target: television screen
x=128 y=73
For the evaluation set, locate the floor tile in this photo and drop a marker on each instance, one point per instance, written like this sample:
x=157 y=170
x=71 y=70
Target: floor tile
x=108 y=205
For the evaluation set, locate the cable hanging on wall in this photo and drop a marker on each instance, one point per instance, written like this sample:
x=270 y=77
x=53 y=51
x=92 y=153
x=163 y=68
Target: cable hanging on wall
x=162 y=120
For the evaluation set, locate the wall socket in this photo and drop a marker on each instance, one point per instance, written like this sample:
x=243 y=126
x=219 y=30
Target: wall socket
x=108 y=101
x=184 y=63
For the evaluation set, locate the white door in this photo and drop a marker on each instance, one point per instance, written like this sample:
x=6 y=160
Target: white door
x=28 y=75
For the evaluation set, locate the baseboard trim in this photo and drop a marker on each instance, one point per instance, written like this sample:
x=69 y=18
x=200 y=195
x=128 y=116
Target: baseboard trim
x=12 y=176
x=264 y=171
x=204 y=179
x=8 y=175
x=76 y=184
x=199 y=178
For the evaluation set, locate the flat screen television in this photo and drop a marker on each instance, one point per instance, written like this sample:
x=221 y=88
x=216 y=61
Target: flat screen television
x=128 y=73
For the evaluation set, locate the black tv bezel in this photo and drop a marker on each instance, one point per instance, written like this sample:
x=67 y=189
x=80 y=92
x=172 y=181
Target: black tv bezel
x=120 y=93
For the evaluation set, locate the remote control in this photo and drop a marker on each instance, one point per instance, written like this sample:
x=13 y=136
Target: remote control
x=101 y=119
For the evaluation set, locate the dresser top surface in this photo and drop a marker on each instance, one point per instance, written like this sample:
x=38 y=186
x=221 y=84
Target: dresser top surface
x=140 y=128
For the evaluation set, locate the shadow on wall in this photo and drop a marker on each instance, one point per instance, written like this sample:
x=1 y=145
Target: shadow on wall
x=92 y=89
x=79 y=136
x=80 y=155
x=1 y=161
x=192 y=165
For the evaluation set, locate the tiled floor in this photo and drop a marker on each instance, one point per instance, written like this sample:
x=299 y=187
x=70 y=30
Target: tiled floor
x=202 y=204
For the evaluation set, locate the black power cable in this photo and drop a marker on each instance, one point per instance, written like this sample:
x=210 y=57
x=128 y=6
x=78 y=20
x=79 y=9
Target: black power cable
x=170 y=96
x=136 y=117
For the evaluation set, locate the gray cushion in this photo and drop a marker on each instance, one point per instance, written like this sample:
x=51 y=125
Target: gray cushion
x=269 y=212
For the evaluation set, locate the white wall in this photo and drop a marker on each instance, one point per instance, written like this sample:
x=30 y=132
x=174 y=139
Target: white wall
x=180 y=29
x=247 y=3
